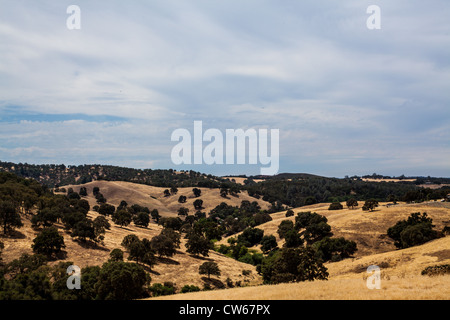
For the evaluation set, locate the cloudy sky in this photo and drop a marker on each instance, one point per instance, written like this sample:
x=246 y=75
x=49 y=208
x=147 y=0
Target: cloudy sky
x=346 y=99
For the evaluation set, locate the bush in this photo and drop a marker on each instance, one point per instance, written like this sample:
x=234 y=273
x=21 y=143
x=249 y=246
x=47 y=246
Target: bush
x=289 y=213
x=250 y=237
x=416 y=230
x=189 y=288
x=293 y=264
x=48 y=242
x=335 y=206
x=334 y=249
x=284 y=227
x=121 y=281
x=436 y=270
x=158 y=289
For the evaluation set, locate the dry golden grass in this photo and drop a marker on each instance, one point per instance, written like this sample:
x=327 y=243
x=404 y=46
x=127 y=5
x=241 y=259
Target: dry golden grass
x=388 y=180
x=400 y=279
x=408 y=288
x=240 y=180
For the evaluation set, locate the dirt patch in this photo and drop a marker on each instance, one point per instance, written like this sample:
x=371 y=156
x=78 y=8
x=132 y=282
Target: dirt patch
x=440 y=255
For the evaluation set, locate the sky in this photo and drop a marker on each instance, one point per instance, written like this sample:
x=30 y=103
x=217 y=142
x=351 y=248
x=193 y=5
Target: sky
x=346 y=99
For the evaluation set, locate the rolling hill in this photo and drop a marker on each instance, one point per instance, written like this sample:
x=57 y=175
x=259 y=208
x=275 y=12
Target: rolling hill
x=400 y=268
x=153 y=197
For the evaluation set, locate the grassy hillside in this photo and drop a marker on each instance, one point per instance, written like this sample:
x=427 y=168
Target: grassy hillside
x=153 y=197
x=400 y=279
x=401 y=269
x=367 y=229
x=181 y=269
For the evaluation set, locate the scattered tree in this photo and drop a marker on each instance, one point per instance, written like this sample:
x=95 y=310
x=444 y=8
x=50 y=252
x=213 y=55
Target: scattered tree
x=48 y=242
x=209 y=268
x=370 y=205
x=9 y=217
x=335 y=206
x=122 y=218
x=351 y=203
x=197 y=192
x=198 y=204
x=182 y=199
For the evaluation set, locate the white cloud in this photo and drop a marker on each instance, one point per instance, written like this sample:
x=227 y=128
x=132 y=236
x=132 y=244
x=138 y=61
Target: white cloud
x=312 y=70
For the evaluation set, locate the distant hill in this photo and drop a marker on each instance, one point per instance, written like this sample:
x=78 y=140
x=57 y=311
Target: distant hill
x=59 y=174
x=288 y=189
x=288 y=176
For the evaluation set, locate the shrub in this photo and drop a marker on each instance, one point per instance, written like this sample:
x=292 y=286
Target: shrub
x=293 y=264
x=416 y=230
x=334 y=249
x=284 y=227
x=209 y=268
x=189 y=288
x=48 y=242
x=335 y=206
x=158 y=289
x=436 y=270
x=289 y=213
x=116 y=255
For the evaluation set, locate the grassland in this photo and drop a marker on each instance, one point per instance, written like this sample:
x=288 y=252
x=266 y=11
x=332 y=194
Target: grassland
x=401 y=269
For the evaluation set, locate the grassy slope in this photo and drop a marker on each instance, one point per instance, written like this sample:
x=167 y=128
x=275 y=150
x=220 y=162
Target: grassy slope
x=400 y=279
x=401 y=269
x=116 y=191
x=181 y=269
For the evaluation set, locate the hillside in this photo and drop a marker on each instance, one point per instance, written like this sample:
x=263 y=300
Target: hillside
x=400 y=269
x=367 y=229
x=166 y=269
x=400 y=280
x=153 y=197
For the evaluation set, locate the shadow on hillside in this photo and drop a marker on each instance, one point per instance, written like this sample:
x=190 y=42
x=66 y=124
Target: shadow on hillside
x=14 y=234
x=124 y=228
x=200 y=258
x=149 y=269
x=166 y=260
x=213 y=282
x=90 y=245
